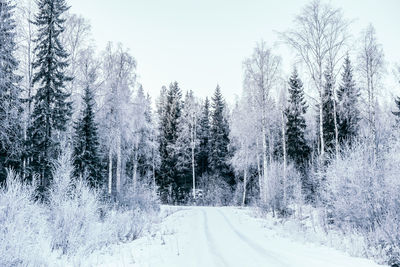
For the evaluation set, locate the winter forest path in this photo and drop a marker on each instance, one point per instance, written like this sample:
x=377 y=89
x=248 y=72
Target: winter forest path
x=223 y=236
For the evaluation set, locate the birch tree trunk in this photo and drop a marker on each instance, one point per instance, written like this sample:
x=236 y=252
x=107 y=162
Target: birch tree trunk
x=110 y=166
x=118 y=181
x=135 y=164
x=284 y=155
x=265 y=163
x=193 y=165
x=260 y=176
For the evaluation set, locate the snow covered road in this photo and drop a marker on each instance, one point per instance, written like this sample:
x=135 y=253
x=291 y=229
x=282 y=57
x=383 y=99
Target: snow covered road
x=222 y=236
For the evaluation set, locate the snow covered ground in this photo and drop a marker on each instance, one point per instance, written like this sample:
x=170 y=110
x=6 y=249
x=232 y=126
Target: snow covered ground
x=218 y=236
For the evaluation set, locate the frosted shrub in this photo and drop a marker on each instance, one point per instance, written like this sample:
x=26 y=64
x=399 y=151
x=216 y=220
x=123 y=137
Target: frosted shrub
x=215 y=191
x=366 y=197
x=123 y=225
x=23 y=233
x=282 y=191
x=74 y=211
x=143 y=198
x=352 y=189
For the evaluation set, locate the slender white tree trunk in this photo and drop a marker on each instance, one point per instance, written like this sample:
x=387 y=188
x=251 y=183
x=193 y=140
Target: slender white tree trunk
x=119 y=163
x=265 y=163
x=260 y=176
x=284 y=155
x=193 y=172
x=244 y=185
x=110 y=166
x=321 y=125
x=135 y=164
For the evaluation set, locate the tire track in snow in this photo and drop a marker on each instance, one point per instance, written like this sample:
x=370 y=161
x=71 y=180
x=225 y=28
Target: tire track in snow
x=256 y=247
x=211 y=243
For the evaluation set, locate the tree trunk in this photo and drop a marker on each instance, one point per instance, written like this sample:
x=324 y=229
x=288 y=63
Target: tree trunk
x=118 y=182
x=193 y=165
x=135 y=164
x=110 y=166
x=265 y=163
x=244 y=185
x=284 y=156
x=259 y=171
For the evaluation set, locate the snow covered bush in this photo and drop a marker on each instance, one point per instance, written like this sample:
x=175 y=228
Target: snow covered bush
x=366 y=197
x=284 y=188
x=23 y=233
x=74 y=216
x=216 y=192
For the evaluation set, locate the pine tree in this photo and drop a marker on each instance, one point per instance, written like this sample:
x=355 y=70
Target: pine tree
x=51 y=108
x=328 y=113
x=204 y=139
x=298 y=150
x=86 y=158
x=168 y=176
x=11 y=143
x=219 y=140
x=348 y=113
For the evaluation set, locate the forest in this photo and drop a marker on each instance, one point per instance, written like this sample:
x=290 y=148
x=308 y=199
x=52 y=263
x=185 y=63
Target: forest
x=87 y=155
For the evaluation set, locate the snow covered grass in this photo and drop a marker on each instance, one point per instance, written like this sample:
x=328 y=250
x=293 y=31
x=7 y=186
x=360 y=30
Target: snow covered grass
x=70 y=224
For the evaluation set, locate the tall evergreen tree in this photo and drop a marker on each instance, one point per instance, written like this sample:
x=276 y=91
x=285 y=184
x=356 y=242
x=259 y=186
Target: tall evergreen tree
x=348 y=112
x=11 y=143
x=86 y=158
x=51 y=108
x=298 y=150
x=168 y=176
x=204 y=139
x=328 y=113
x=219 y=141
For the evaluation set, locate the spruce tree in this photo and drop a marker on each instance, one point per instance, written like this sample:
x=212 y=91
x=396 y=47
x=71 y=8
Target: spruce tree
x=168 y=176
x=298 y=150
x=348 y=113
x=328 y=113
x=51 y=109
x=219 y=140
x=204 y=139
x=11 y=138
x=86 y=158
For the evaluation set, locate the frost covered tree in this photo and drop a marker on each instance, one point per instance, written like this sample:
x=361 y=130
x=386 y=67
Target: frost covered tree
x=219 y=141
x=11 y=124
x=319 y=38
x=348 y=109
x=187 y=143
x=298 y=150
x=243 y=139
x=86 y=155
x=371 y=67
x=142 y=140
x=261 y=73
x=203 y=158
x=51 y=107
x=119 y=78
x=168 y=177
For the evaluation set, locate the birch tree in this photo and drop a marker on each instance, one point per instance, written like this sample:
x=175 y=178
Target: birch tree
x=119 y=77
x=319 y=40
x=371 y=67
x=261 y=72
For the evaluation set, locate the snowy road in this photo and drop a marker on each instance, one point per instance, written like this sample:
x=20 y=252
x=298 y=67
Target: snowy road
x=208 y=236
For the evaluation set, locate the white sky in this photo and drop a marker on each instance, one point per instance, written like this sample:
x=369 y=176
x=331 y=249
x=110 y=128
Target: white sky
x=200 y=43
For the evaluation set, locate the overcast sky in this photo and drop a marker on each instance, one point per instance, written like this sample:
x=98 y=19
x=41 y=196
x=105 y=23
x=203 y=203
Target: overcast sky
x=204 y=42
